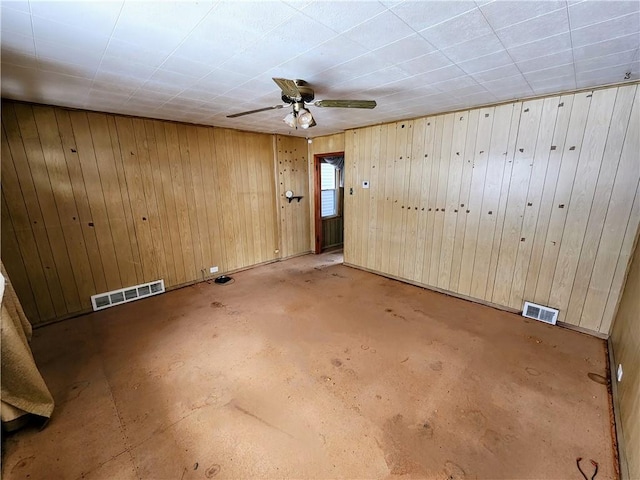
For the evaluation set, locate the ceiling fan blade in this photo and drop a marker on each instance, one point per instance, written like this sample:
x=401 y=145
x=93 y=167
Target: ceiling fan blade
x=289 y=88
x=346 y=103
x=275 y=107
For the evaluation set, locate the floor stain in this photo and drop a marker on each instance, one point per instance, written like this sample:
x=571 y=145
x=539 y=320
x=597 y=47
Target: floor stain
x=212 y=471
x=23 y=463
x=404 y=445
x=453 y=471
x=76 y=389
x=336 y=362
x=217 y=305
x=598 y=378
x=253 y=415
x=404 y=360
x=532 y=371
x=476 y=417
x=436 y=366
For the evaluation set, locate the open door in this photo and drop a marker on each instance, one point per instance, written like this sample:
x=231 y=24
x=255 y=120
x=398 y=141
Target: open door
x=329 y=200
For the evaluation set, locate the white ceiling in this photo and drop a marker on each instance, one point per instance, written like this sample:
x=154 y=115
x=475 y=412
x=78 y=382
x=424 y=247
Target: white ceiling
x=200 y=61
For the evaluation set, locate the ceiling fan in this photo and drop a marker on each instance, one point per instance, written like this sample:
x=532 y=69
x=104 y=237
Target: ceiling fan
x=300 y=95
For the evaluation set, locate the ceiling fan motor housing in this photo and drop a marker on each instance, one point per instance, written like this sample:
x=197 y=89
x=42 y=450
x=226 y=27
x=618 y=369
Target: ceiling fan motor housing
x=306 y=93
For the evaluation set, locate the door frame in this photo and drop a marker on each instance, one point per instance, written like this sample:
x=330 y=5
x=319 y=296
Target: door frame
x=317 y=160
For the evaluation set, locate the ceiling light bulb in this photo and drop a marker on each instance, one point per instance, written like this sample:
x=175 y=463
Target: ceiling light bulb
x=290 y=120
x=305 y=119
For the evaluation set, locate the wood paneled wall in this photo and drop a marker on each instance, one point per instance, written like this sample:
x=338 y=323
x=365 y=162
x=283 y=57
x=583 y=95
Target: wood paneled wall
x=93 y=202
x=533 y=200
x=293 y=174
x=625 y=339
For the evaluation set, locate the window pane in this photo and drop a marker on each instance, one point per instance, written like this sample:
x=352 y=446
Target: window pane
x=327 y=176
x=328 y=203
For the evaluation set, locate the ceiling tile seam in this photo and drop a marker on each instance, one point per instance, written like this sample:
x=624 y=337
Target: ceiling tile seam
x=93 y=79
x=354 y=58
x=611 y=67
x=33 y=32
x=386 y=9
x=608 y=20
x=449 y=59
x=600 y=57
x=265 y=34
x=573 y=58
x=221 y=66
x=322 y=71
x=213 y=7
x=506 y=50
x=439 y=23
x=527 y=19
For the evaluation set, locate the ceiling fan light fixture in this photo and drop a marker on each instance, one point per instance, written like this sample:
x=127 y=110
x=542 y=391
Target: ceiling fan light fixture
x=290 y=120
x=305 y=119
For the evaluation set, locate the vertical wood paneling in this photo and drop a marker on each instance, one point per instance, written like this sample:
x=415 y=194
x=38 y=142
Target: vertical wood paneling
x=546 y=203
x=465 y=188
x=373 y=205
x=456 y=164
x=293 y=174
x=20 y=277
x=582 y=196
x=531 y=200
x=515 y=187
x=625 y=340
x=606 y=176
x=621 y=222
x=569 y=163
x=539 y=171
x=504 y=127
x=93 y=202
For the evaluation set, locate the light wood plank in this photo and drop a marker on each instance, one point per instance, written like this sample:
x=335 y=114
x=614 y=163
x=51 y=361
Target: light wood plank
x=452 y=198
x=534 y=199
x=566 y=176
x=582 y=196
x=619 y=213
x=114 y=205
x=463 y=208
x=602 y=195
x=517 y=177
x=480 y=166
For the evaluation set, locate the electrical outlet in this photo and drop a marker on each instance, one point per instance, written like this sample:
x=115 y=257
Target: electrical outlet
x=619 y=372
x=213 y=270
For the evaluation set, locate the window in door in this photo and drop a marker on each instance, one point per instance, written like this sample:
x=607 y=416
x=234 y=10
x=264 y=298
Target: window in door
x=329 y=190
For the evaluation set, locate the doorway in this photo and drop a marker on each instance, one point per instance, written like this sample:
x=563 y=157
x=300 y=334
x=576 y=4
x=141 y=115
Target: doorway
x=329 y=200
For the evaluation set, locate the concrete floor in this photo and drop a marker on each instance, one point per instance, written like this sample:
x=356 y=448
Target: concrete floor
x=310 y=369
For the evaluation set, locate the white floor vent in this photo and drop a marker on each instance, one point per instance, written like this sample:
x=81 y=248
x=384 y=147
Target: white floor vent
x=124 y=295
x=539 y=312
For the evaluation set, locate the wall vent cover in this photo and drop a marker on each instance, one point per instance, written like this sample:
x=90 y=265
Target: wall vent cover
x=128 y=294
x=540 y=312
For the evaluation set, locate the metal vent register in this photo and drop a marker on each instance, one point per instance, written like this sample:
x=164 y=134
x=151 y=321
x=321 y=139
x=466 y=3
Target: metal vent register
x=128 y=294
x=540 y=312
